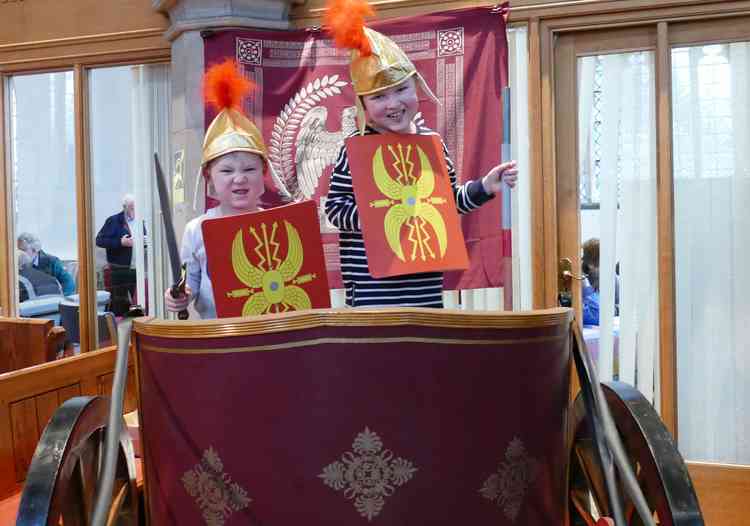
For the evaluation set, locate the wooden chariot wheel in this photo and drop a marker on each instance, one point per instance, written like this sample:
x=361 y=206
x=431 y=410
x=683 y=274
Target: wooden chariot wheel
x=657 y=465
x=65 y=470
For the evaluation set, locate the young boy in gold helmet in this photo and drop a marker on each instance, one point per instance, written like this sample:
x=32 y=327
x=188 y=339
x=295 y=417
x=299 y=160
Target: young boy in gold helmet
x=386 y=83
x=234 y=161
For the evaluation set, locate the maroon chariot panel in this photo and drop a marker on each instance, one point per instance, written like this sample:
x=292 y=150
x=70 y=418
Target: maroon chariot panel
x=390 y=417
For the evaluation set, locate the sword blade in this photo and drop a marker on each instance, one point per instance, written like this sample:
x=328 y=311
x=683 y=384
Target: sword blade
x=166 y=213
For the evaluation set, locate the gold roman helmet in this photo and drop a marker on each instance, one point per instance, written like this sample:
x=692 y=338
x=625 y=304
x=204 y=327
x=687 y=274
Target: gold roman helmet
x=231 y=130
x=377 y=63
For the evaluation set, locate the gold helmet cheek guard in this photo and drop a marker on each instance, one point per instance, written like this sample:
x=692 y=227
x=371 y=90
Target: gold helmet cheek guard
x=421 y=85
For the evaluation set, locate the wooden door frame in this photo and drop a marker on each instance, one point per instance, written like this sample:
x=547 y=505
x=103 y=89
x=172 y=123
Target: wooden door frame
x=722 y=488
x=675 y=25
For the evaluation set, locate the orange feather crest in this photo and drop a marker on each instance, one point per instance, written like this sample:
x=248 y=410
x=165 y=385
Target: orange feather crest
x=345 y=20
x=225 y=86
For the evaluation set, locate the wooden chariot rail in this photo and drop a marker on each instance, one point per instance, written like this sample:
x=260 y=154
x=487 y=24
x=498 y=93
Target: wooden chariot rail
x=273 y=323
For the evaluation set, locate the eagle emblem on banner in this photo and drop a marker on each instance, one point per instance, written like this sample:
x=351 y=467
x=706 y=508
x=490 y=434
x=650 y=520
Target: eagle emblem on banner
x=301 y=146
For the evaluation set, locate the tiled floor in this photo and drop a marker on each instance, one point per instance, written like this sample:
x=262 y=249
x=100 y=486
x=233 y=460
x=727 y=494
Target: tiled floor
x=8 y=510
x=9 y=506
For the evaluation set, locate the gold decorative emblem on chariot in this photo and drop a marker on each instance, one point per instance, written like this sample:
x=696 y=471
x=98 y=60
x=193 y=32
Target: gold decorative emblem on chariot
x=272 y=285
x=409 y=203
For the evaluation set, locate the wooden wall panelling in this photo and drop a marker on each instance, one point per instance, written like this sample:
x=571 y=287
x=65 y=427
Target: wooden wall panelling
x=7 y=462
x=29 y=397
x=70 y=391
x=310 y=12
x=104 y=388
x=52 y=34
x=52 y=62
x=722 y=490
x=610 y=40
x=25 y=435
x=46 y=405
x=45 y=20
x=638 y=13
x=709 y=32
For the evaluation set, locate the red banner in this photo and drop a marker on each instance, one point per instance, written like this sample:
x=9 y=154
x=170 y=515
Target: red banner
x=267 y=261
x=304 y=106
x=407 y=210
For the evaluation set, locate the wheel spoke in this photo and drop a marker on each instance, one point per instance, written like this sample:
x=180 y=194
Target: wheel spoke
x=88 y=471
x=579 y=501
x=118 y=501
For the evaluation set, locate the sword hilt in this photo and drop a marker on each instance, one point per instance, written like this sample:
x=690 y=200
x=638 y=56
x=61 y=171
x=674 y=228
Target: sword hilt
x=178 y=289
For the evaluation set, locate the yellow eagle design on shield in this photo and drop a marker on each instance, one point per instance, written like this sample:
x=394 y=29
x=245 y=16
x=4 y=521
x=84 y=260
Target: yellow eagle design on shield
x=409 y=202
x=272 y=285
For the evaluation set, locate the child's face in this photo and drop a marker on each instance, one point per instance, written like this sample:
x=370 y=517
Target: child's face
x=238 y=180
x=393 y=109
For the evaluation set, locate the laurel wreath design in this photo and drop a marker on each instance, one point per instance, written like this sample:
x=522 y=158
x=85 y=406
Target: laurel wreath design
x=287 y=123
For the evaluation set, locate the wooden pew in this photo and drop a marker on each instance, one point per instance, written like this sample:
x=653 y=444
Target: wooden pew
x=28 y=341
x=28 y=398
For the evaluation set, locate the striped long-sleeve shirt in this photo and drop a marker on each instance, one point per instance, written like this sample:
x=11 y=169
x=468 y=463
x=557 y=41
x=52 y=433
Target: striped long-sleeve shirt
x=412 y=290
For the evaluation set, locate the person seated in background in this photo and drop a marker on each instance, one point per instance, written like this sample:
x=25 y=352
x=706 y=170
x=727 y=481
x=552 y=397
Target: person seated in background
x=116 y=238
x=590 y=292
x=46 y=263
x=42 y=284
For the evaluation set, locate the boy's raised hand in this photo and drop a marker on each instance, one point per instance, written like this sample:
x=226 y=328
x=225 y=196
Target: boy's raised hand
x=502 y=173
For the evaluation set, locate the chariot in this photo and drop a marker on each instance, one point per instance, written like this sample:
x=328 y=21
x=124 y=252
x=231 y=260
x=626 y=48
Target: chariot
x=397 y=416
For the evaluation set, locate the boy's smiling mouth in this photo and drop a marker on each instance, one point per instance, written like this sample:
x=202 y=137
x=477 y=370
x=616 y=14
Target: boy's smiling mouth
x=396 y=115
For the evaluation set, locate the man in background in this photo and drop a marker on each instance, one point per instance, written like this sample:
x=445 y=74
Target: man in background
x=46 y=263
x=117 y=239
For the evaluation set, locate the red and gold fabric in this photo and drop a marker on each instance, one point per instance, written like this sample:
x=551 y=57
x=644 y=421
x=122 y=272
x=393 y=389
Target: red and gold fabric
x=390 y=417
x=305 y=106
x=407 y=209
x=265 y=262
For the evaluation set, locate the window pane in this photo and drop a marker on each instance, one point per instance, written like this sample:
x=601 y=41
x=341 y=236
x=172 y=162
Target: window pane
x=711 y=127
x=42 y=167
x=129 y=121
x=617 y=167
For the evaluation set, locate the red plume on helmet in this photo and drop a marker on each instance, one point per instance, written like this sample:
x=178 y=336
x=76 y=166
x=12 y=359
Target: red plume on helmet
x=225 y=86
x=345 y=22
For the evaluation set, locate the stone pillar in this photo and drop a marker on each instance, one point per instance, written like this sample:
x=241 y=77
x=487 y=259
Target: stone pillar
x=189 y=18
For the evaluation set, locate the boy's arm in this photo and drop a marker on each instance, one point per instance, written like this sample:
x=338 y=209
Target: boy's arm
x=341 y=207
x=470 y=195
x=193 y=269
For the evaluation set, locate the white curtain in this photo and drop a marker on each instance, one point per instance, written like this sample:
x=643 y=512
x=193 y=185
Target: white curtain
x=150 y=103
x=41 y=159
x=518 y=67
x=617 y=143
x=711 y=122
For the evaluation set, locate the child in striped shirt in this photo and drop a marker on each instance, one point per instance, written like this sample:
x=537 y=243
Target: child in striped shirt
x=386 y=85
